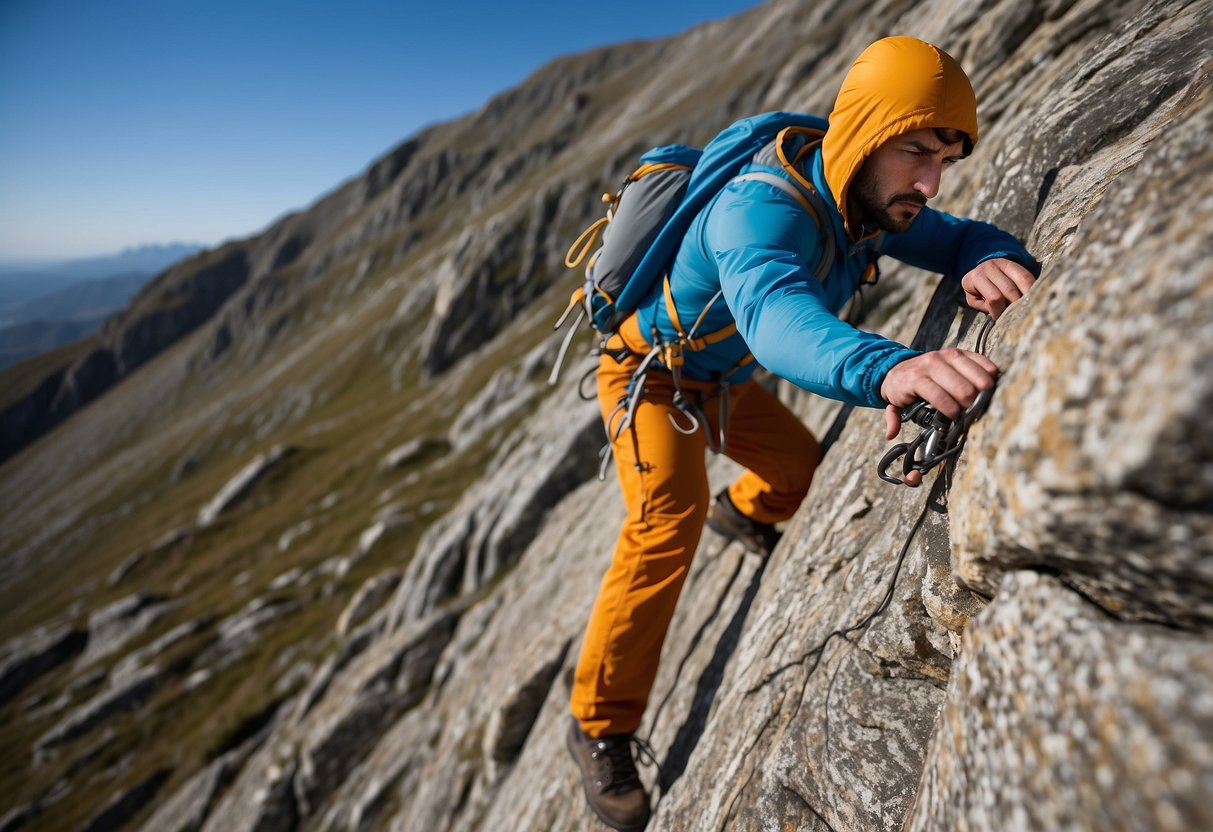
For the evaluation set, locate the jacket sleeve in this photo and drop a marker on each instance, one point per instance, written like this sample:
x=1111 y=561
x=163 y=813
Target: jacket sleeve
x=953 y=246
x=766 y=247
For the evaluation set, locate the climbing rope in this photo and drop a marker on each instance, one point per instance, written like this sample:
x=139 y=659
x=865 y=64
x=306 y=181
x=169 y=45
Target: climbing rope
x=952 y=441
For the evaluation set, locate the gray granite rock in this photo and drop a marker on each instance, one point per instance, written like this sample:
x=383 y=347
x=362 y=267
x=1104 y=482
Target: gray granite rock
x=121 y=695
x=1096 y=460
x=238 y=487
x=388 y=679
x=491 y=525
x=412 y=451
x=373 y=534
x=508 y=726
x=488 y=278
x=89 y=754
x=437 y=756
x=123 y=570
x=187 y=808
x=808 y=725
x=17 y=817
x=369 y=597
x=261 y=799
x=1061 y=717
x=28 y=656
x=130 y=664
x=369 y=793
x=781 y=703
x=510 y=392
x=295 y=532
x=239 y=632
x=115 y=624
x=128 y=802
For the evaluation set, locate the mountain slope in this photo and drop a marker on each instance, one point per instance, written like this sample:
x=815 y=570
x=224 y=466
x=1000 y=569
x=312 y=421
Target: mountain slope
x=312 y=543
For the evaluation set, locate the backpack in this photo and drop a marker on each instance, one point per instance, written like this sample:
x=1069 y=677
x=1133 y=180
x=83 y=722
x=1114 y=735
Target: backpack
x=647 y=218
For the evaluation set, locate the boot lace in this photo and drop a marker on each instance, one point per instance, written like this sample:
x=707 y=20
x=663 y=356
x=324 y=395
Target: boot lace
x=616 y=767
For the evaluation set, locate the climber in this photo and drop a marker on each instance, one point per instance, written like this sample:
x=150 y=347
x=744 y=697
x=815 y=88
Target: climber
x=905 y=112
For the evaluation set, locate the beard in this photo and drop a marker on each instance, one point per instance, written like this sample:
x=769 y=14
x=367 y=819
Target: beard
x=876 y=209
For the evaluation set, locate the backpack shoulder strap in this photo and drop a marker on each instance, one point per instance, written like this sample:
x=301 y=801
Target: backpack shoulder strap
x=797 y=186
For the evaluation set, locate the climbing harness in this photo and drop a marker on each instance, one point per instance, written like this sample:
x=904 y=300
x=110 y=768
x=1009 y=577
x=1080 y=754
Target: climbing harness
x=941 y=438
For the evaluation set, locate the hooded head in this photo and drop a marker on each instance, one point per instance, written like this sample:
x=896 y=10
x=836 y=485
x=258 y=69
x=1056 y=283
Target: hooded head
x=895 y=86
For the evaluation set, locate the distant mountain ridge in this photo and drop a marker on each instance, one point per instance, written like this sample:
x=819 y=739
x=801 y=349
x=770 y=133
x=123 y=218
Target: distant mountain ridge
x=80 y=299
x=26 y=340
x=28 y=279
x=44 y=306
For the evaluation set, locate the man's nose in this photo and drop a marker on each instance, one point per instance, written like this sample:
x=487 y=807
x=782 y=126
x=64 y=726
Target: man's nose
x=927 y=180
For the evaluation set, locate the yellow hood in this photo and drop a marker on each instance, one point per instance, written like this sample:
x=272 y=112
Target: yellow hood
x=895 y=86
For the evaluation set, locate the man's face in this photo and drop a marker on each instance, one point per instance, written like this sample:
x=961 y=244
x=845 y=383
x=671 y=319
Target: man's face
x=901 y=175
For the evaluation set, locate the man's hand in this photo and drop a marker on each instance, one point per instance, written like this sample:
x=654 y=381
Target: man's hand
x=996 y=284
x=949 y=380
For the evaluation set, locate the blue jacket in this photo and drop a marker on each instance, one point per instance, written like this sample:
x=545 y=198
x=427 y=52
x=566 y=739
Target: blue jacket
x=760 y=247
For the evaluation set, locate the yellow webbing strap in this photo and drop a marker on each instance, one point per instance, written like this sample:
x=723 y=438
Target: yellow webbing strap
x=705 y=341
x=585 y=241
x=693 y=344
x=746 y=359
x=670 y=309
x=654 y=167
x=575 y=300
x=790 y=166
x=671 y=351
x=589 y=238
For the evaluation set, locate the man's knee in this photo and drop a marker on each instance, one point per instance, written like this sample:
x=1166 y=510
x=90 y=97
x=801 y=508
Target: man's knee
x=794 y=469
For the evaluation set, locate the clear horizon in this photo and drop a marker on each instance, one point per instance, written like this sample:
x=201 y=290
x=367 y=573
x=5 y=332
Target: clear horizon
x=39 y=263
x=130 y=124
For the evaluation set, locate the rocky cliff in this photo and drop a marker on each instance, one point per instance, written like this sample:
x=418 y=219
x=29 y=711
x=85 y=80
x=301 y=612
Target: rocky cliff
x=312 y=543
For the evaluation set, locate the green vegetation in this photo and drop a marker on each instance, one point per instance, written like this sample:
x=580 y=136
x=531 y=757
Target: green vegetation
x=333 y=480
x=24 y=378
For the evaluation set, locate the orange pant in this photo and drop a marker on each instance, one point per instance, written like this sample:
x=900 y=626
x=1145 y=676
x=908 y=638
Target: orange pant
x=665 y=486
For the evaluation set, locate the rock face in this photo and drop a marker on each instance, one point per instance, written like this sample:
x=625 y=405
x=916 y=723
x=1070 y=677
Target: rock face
x=302 y=762
x=491 y=526
x=1022 y=644
x=127 y=804
x=1121 y=468
x=188 y=808
x=237 y=488
x=123 y=695
x=27 y=657
x=1075 y=706
x=112 y=626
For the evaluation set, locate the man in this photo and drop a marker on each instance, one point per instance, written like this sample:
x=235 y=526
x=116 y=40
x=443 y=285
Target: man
x=906 y=111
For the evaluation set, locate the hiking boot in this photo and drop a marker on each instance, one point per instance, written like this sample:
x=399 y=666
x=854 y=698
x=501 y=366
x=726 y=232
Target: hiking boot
x=608 y=773
x=728 y=522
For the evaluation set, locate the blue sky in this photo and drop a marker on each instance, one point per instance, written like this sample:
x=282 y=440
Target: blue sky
x=124 y=122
